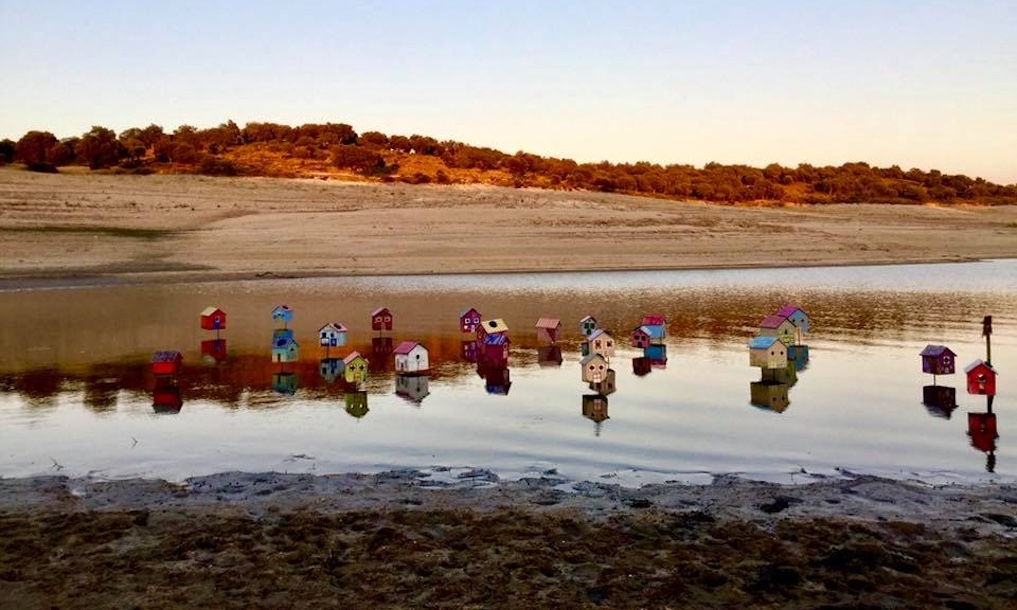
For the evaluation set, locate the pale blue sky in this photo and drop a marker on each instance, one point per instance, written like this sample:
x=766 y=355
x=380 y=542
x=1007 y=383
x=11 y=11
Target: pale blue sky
x=929 y=84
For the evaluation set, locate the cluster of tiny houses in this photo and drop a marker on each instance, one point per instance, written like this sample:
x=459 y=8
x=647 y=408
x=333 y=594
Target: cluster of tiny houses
x=980 y=380
x=489 y=347
x=777 y=351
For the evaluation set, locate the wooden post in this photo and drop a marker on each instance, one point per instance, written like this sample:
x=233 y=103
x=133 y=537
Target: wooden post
x=987 y=333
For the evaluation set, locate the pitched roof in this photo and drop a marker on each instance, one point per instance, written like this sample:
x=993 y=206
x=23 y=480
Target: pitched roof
x=655 y=331
x=789 y=309
x=978 y=363
x=281 y=308
x=380 y=310
x=211 y=310
x=496 y=340
x=936 y=350
x=496 y=325
x=549 y=323
x=773 y=321
x=353 y=356
x=588 y=359
x=406 y=347
x=598 y=332
x=336 y=326
x=760 y=342
x=166 y=356
x=585 y=318
x=654 y=320
x=468 y=310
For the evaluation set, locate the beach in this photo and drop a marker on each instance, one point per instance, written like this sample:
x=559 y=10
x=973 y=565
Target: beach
x=464 y=538
x=77 y=227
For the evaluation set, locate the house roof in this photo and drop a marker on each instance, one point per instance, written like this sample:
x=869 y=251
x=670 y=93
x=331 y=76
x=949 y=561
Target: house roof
x=655 y=331
x=166 y=356
x=773 y=321
x=936 y=350
x=759 y=342
x=353 y=356
x=496 y=340
x=586 y=360
x=655 y=320
x=208 y=311
x=285 y=342
x=336 y=326
x=598 y=332
x=496 y=325
x=468 y=310
x=789 y=310
x=974 y=365
x=406 y=347
x=548 y=323
x=281 y=309
x=585 y=318
x=380 y=310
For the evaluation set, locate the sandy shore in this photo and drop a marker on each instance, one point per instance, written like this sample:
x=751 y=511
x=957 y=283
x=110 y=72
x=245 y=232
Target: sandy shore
x=164 y=228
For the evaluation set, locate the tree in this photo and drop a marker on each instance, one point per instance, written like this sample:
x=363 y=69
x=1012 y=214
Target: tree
x=63 y=152
x=99 y=148
x=31 y=149
x=7 y=148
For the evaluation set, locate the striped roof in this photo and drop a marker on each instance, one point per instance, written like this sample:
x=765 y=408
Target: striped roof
x=549 y=323
x=496 y=340
x=759 y=342
x=406 y=347
x=656 y=331
x=773 y=321
x=166 y=356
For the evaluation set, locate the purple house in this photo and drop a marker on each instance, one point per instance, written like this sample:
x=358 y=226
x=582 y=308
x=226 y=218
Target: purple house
x=938 y=360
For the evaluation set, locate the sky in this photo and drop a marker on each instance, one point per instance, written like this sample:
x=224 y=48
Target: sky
x=929 y=84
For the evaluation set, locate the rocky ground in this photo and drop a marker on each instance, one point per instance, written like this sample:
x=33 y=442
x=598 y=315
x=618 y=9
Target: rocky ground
x=464 y=539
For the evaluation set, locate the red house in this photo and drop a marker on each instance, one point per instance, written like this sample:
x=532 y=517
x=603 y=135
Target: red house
x=496 y=351
x=981 y=378
x=213 y=318
x=167 y=362
x=469 y=320
x=655 y=320
x=641 y=337
x=381 y=319
x=548 y=330
x=166 y=399
x=982 y=430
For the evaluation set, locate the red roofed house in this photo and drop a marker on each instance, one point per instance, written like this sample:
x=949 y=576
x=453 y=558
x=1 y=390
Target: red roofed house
x=411 y=357
x=548 y=330
x=780 y=327
x=381 y=319
x=641 y=337
x=167 y=362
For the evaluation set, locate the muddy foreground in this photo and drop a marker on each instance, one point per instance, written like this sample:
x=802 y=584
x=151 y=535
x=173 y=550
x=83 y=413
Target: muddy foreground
x=406 y=540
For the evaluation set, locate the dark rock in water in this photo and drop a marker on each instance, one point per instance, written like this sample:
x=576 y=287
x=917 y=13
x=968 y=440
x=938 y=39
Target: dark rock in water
x=1006 y=520
x=598 y=595
x=778 y=504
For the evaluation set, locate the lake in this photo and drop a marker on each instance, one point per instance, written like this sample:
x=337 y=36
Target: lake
x=77 y=395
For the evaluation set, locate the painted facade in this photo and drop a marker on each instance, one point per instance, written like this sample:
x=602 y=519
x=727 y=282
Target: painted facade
x=938 y=360
x=355 y=368
x=469 y=320
x=594 y=368
x=213 y=318
x=411 y=357
x=381 y=319
x=767 y=352
x=333 y=334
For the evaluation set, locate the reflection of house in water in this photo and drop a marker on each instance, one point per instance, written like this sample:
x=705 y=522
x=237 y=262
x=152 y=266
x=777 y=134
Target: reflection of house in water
x=331 y=369
x=769 y=395
x=788 y=374
x=983 y=433
x=167 y=399
x=799 y=355
x=939 y=400
x=381 y=347
x=549 y=355
x=595 y=408
x=413 y=388
x=468 y=350
x=284 y=383
x=356 y=404
x=607 y=386
x=497 y=380
x=213 y=350
x=656 y=354
x=641 y=366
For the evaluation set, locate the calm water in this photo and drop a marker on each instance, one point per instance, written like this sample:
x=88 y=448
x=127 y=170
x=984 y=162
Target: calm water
x=77 y=396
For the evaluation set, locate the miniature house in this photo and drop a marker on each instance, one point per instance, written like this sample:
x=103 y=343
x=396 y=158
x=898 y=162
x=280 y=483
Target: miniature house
x=549 y=355
x=167 y=362
x=780 y=327
x=468 y=350
x=938 y=360
x=587 y=325
x=284 y=383
x=280 y=334
x=767 y=352
x=167 y=399
x=355 y=368
x=285 y=350
x=491 y=327
x=411 y=357
x=656 y=354
x=213 y=318
x=641 y=337
x=413 y=388
x=600 y=342
x=213 y=350
x=797 y=316
x=771 y=396
x=595 y=407
x=981 y=378
x=497 y=381
x=594 y=368
x=381 y=319
x=606 y=387
x=283 y=314
x=356 y=404
x=332 y=334
x=548 y=330
x=469 y=320
x=641 y=366
x=331 y=369
x=496 y=350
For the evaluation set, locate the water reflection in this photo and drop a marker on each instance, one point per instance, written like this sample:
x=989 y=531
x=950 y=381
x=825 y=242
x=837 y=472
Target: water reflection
x=166 y=399
x=213 y=351
x=939 y=400
x=497 y=379
x=771 y=395
x=983 y=433
x=595 y=408
x=356 y=403
x=285 y=383
x=414 y=388
x=549 y=355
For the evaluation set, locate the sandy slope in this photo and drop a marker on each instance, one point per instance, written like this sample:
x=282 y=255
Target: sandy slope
x=153 y=228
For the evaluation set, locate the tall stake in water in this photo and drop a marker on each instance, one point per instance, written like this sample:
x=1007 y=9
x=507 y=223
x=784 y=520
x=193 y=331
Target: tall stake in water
x=987 y=333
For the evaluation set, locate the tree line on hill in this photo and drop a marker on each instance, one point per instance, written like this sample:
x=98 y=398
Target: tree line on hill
x=227 y=150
